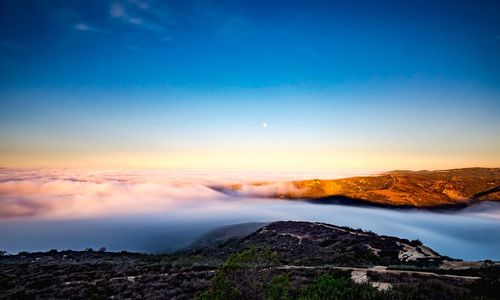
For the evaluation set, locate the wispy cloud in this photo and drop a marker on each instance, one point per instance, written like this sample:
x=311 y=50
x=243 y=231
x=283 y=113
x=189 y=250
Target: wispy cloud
x=118 y=11
x=89 y=28
x=82 y=27
x=140 y=4
x=138 y=13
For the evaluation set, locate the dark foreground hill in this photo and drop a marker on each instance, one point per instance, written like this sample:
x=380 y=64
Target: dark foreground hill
x=419 y=189
x=280 y=260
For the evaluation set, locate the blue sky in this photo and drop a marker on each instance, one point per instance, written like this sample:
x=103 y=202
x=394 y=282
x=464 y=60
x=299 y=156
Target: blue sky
x=388 y=84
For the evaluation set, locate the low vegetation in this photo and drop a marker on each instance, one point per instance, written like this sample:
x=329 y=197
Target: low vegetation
x=247 y=275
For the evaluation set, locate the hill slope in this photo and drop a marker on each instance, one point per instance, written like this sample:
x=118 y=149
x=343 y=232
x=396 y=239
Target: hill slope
x=423 y=189
x=313 y=243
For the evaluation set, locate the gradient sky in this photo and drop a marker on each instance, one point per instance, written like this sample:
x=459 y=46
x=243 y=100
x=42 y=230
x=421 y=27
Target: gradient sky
x=188 y=84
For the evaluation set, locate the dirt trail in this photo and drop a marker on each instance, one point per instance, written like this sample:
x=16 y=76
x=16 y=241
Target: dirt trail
x=379 y=269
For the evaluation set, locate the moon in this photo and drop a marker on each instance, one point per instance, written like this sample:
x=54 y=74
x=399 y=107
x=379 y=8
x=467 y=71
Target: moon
x=264 y=125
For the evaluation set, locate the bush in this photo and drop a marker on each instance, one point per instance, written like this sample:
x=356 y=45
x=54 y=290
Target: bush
x=247 y=275
x=244 y=275
x=424 y=290
x=328 y=287
x=21 y=295
x=416 y=243
x=4 y=282
x=96 y=296
x=488 y=286
x=280 y=288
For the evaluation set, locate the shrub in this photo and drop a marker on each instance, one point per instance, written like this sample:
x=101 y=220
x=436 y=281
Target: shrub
x=244 y=275
x=416 y=243
x=328 y=287
x=4 y=282
x=279 y=288
x=488 y=286
x=21 y=295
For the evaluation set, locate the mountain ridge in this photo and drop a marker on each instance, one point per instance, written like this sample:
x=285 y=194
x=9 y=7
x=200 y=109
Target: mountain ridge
x=399 y=188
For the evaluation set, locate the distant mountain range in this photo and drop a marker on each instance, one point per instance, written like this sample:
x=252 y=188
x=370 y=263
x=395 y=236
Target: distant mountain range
x=417 y=189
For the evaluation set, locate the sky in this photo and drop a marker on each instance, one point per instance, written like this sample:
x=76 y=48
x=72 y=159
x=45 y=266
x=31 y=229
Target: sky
x=264 y=85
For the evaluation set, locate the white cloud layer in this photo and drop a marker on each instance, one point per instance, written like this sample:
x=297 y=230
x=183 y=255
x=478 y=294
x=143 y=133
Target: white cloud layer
x=69 y=194
x=62 y=193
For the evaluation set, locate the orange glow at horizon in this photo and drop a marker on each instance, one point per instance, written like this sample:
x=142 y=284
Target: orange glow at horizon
x=247 y=160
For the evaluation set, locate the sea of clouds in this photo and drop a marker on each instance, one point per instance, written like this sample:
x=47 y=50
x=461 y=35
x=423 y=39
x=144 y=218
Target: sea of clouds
x=70 y=193
x=164 y=210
